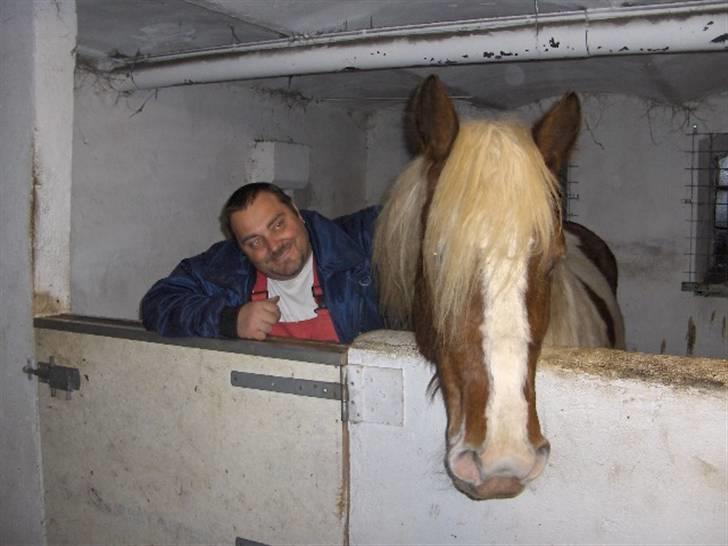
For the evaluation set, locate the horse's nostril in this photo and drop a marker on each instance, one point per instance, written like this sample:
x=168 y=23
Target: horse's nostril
x=466 y=467
x=544 y=448
x=542 y=452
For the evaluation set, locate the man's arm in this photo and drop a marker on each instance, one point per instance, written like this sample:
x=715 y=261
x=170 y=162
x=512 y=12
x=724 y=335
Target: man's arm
x=183 y=304
x=188 y=303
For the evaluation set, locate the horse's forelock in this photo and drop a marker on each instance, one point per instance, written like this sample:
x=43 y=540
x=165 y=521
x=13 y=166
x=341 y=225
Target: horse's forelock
x=495 y=201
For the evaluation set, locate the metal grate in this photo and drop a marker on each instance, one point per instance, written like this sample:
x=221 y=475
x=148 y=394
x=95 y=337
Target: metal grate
x=707 y=202
x=569 y=191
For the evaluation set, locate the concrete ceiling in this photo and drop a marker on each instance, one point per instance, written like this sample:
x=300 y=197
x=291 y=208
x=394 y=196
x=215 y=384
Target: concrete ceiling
x=113 y=33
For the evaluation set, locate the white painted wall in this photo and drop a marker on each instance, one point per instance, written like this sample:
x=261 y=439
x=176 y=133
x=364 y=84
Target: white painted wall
x=632 y=461
x=20 y=498
x=630 y=163
x=55 y=61
x=151 y=172
x=37 y=40
x=632 y=175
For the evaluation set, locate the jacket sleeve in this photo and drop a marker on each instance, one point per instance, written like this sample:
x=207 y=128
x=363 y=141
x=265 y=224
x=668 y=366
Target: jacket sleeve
x=360 y=227
x=184 y=303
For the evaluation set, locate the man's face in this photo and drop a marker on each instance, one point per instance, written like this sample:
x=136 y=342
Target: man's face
x=272 y=236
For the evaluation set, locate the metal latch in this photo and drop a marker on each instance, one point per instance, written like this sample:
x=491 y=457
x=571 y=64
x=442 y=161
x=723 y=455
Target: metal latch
x=57 y=377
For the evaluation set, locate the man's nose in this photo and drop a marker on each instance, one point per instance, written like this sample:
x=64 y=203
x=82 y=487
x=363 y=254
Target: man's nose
x=275 y=245
x=271 y=242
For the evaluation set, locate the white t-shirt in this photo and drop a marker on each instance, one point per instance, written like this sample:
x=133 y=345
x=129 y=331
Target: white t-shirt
x=296 y=295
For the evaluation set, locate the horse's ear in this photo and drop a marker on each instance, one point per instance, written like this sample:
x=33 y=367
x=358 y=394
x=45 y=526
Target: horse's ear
x=555 y=133
x=434 y=122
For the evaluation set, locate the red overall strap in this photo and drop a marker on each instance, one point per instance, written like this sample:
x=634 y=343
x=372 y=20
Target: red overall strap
x=260 y=290
x=319 y=328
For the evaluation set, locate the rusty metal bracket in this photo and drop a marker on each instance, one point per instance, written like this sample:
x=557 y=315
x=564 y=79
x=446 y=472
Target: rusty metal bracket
x=58 y=377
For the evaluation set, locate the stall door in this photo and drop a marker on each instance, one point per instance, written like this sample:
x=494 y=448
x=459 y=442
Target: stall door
x=159 y=446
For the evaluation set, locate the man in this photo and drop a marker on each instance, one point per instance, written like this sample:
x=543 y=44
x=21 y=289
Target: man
x=282 y=272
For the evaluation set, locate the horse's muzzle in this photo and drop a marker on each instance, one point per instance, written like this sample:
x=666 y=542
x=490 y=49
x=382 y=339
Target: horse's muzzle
x=484 y=476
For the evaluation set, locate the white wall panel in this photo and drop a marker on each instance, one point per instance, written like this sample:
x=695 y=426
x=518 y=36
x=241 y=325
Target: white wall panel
x=633 y=461
x=157 y=447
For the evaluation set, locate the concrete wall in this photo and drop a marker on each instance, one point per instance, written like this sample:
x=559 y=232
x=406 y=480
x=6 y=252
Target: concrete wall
x=55 y=61
x=630 y=163
x=632 y=175
x=37 y=40
x=637 y=453
x=152 y=170
x=20 y=500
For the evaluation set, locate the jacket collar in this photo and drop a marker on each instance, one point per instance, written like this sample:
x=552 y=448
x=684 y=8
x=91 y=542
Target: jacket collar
x=333 y=248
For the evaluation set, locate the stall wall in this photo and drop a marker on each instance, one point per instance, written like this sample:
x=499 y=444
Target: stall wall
x=161 y=445
x=152 y=170
x=630 y=167
x=637 y=454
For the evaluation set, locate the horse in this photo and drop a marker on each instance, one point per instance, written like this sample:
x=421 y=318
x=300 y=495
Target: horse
x=470 y=251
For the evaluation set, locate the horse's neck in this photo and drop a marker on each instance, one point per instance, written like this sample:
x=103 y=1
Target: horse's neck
x=576 y=320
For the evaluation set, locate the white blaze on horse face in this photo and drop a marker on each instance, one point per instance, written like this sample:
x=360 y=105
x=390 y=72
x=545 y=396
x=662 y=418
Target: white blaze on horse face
x=506 y=335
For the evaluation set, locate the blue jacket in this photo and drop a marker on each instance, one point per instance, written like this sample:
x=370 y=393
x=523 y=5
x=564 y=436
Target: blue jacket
x=196 y=296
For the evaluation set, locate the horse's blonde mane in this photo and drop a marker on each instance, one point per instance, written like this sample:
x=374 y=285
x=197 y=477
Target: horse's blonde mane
x=397 y=244
x=495 y=201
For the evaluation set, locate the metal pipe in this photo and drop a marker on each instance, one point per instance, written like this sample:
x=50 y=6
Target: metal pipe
x=698 y=26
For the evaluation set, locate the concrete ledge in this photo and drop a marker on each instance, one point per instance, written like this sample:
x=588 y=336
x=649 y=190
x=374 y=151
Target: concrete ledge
x=704 y=373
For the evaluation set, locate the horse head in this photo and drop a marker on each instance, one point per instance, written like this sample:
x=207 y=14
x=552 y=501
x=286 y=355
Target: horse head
x=472 y=232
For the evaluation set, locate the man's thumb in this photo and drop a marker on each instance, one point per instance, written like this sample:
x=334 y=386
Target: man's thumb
x=274 y=299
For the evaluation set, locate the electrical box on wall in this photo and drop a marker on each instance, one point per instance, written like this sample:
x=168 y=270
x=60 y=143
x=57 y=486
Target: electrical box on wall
x=282 y=163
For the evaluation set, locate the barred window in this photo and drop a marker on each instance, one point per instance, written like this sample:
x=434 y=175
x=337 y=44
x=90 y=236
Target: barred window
x=569 y=191
x=708 y=201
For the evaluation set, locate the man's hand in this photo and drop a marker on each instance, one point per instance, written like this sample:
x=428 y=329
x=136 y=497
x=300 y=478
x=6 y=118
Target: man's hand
x=256 y=319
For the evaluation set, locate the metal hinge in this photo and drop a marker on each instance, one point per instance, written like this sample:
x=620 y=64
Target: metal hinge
x=288 y=385
x=344 y=394
x=58 y=377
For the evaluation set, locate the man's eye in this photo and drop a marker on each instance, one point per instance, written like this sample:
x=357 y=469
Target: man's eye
x=254 y=243
x=278 y=224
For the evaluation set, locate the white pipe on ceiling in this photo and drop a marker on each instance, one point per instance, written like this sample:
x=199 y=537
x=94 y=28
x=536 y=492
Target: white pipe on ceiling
x=662 y=28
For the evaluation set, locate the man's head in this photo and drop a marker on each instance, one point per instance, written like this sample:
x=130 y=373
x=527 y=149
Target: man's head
x=269 y=229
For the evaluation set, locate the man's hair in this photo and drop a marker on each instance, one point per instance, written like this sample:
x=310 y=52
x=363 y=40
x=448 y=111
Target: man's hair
x=244 y=196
